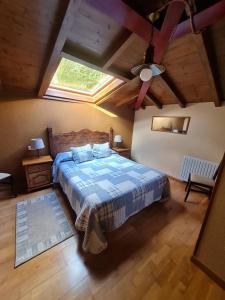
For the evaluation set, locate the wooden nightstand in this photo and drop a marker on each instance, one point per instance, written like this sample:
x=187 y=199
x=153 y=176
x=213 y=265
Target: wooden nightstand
x=123 y=151
x=38 y=172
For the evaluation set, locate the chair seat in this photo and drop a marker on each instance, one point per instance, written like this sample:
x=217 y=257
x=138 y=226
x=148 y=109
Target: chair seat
x=202 y=180
x=4 y=176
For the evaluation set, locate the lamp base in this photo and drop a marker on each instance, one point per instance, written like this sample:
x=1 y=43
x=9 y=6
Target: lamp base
x=38 y=153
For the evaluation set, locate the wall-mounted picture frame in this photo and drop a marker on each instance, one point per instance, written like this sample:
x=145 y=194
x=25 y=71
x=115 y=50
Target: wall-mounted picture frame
x=177 y=125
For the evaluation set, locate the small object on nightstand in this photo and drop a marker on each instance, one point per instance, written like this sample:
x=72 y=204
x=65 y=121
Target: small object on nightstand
x=117 y=140
x=122 y=151
x=38 y=172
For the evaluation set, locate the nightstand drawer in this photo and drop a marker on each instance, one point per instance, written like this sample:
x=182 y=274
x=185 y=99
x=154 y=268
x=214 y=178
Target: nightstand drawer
x=39 y=179
x=38 y=168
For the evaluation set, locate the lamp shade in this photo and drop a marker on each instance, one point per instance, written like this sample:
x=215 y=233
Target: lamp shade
x=36 y=144
x=117 y=139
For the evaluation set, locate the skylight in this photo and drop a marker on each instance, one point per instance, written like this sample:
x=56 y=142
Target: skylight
x=72 y=76
x=75 y=82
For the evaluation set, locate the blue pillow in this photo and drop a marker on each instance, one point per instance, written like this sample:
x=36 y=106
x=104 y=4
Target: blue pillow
x=101 y=150
x=82 y=154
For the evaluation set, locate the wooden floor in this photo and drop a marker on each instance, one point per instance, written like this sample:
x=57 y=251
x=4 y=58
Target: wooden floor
x=147 y=258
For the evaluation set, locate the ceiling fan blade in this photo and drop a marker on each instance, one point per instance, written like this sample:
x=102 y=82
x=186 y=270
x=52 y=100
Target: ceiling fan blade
x=143 y=91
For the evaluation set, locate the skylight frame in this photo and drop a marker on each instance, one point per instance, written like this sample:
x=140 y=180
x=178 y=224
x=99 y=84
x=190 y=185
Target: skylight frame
x=76 y=95
x=103 y=81
x=77 y=91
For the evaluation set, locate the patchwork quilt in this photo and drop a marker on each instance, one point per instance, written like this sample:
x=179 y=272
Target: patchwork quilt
x=105 y=192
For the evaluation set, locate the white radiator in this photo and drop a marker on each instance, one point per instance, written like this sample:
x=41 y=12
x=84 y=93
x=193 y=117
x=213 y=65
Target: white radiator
x=197 y=166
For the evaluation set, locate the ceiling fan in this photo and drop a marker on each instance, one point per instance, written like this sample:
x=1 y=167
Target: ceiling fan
x=151 y=66
x=148 y=69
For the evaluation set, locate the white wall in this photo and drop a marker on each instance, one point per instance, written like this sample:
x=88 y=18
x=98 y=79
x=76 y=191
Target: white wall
x=205 y=138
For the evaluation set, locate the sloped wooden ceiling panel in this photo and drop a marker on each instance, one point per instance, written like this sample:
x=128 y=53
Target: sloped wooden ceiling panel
x=93 y=31
x=26 y=33
x=184 y=66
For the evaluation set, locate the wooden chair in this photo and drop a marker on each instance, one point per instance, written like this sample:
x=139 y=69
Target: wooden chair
x=200 y=184
x=7 y=179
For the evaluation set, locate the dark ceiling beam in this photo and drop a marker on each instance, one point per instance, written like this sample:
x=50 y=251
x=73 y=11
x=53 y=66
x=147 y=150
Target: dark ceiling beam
x=206 y=58
x=127 y=17
x=172 y=17
x=201 y=20
x=152 y=98
x=171 y=86
x=54 y=58
x=71 y=53
x=123 y=45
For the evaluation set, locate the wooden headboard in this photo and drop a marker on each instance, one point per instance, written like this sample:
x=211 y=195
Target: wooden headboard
x=59 y=142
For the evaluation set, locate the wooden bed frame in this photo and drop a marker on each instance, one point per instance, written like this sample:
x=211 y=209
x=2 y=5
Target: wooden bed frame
x=59 y=142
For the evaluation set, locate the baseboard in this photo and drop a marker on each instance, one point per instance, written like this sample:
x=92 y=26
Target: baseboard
x=210 y=273
x=176 y=179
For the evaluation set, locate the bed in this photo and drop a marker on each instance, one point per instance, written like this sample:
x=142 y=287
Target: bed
x=103 y=192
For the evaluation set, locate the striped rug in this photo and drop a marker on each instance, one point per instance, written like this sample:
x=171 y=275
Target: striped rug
x=40 y=225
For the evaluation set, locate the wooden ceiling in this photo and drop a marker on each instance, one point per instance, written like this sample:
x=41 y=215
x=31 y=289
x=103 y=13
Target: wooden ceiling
x=34 y=34
x=27 y=29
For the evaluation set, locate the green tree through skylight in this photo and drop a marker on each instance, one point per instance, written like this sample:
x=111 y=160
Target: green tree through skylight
x=73 y=75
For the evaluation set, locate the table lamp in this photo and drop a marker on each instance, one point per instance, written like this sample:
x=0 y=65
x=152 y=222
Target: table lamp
x=117 y=140
x=36 y=144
